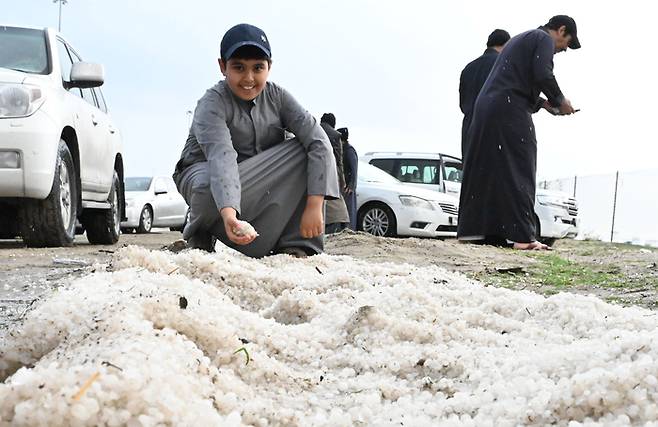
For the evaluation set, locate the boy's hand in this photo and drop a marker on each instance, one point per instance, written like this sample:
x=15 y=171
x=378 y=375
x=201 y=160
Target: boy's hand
x=229 y=216
x=312 y=222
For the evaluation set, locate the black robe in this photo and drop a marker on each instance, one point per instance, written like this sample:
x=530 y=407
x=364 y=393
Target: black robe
x=471 y=81
x=498 y=189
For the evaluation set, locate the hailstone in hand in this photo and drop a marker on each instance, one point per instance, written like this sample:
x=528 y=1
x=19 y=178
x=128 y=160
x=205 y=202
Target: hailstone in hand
x=245 y=229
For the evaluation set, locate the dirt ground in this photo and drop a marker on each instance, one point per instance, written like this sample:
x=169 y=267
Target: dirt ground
x=618 y=273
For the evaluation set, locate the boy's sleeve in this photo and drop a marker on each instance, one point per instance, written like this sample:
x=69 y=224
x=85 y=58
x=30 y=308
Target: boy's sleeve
x=321 y=166
x=212 y=134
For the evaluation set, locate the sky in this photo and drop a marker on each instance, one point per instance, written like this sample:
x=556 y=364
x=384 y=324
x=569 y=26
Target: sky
x=388 y=70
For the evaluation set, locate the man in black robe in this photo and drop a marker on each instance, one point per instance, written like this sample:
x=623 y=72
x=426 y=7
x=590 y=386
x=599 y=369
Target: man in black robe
x=351 y=165
x=474 y=75
x=498 y=189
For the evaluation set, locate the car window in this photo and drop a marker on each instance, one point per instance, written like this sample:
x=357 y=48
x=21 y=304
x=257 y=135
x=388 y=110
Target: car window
x=386 y=165
x=137 y=183
x=100 y=99
x=453 y=171
x=370 y=173
x=65 y=64
x=24 y=49
x=418 y=171
x=88 y=96
x=160 y=185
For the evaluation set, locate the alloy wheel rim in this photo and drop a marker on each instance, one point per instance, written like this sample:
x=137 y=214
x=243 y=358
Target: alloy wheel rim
x=115 y=211
x=147 y=220
x=65 y=195
x=375 y=221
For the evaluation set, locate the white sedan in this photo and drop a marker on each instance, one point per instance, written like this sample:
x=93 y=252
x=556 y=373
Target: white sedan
x=153 y=202
x=386 y=207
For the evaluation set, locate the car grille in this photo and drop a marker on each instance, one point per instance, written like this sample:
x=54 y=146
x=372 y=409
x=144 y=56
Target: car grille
x=449 y=208
x=572 y=207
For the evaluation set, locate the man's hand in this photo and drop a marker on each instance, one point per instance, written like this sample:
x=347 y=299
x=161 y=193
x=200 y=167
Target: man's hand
x=563 y=110
x=229 y=216
x=347 y=190
x=548 y=107
x=312 y=222
x=566 y=108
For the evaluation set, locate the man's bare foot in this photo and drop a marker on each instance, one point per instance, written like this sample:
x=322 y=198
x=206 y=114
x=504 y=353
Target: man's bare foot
x=532 y=246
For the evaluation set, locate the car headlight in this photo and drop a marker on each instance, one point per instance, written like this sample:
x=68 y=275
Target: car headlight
x=20 y=100
x=552 y=201
x=416 y=202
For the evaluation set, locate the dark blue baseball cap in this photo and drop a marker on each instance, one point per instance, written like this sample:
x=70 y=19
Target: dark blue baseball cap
x=570 y=24
x=244 y=35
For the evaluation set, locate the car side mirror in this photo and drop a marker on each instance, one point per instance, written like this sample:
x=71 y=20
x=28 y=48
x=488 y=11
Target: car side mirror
x=86 y=75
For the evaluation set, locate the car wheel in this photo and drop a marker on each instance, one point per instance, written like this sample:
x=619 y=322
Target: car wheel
x=378 y=220
x=550 y=241
x=145 y=220
x=104 y=225
x=51 y=222
x=8 y=221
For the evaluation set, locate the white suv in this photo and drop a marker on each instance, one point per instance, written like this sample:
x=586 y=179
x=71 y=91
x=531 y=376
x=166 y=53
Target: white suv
x=60 y=154
x=556 y=212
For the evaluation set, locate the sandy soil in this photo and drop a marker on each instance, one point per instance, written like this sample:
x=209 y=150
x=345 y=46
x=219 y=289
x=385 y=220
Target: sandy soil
x=618 y=273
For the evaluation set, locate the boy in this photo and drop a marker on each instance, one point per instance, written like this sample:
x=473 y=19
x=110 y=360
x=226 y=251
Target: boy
x=236 y=164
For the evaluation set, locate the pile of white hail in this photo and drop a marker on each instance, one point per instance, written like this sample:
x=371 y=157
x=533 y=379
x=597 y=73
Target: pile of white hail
x=196 y=339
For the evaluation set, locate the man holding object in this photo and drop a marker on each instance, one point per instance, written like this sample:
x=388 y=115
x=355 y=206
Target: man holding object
x=498 y=189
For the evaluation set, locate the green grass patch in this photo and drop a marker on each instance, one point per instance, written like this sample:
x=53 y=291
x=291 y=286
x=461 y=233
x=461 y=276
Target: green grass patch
x=550 y=271
x=562 y=273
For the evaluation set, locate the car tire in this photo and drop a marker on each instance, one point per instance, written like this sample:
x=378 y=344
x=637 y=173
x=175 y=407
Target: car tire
x=550 y=241
x=145 y=220
x=103 y=225
x=51 y=222
x=8 y=221
x=378 y=220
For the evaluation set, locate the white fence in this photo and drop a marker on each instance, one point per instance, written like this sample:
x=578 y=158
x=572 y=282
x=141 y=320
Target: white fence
x=618 y=207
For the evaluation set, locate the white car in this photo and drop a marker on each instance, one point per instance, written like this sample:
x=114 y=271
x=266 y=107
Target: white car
x=387 y=207
x=60 y=153
x=556 y=212
x=153 y=202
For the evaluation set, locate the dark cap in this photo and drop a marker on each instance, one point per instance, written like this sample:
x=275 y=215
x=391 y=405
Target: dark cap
x=498 y=37
x=244 y=35
x=329 y=119
x=559 y=20
x=344 y=132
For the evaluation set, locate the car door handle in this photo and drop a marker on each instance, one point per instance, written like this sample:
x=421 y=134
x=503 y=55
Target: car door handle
x=112 y=131
x=93 y=120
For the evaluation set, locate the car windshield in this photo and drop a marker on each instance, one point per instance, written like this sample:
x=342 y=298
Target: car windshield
x=138 y=184
x=369 y=173
x=23 y=49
